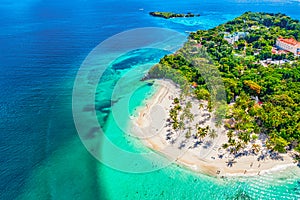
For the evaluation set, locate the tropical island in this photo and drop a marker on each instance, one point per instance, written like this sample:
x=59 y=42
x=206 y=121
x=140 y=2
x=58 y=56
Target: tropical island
x=232 y=98
x=168 y=15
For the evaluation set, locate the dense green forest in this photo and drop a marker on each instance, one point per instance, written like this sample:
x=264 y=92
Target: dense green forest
x=261 y=99
x=168 y=15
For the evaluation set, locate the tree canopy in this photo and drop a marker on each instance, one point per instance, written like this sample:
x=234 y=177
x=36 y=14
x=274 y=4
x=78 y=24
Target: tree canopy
x=266 y=98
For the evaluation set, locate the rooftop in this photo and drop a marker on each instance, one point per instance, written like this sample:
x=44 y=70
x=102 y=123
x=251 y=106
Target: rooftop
x=290 y=41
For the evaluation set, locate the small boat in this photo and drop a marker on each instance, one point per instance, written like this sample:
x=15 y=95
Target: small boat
x=141 y=9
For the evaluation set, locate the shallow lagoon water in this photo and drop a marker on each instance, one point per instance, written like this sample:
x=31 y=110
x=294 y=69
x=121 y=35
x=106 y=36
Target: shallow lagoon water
x=43 y=45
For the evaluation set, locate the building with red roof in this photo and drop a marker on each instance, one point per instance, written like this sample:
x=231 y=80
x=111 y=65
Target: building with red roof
x=289 y=44
x=278 y=51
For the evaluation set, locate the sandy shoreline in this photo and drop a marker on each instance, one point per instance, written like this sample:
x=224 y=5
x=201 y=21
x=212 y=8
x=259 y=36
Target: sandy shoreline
x=152 y=129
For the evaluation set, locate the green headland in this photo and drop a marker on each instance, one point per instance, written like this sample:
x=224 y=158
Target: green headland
x=168 y=15
x=257 y=56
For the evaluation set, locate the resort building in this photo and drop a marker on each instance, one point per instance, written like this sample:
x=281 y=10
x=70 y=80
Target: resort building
x=278 y=51
x=232 y=38
x=290 y=45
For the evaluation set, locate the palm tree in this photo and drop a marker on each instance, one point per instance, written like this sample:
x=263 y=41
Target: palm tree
x=237 y=147
x=190 y=117
x=256 y=147
x=232 y=142
x=188 y=105
x=219 y=123
x=186 y=111
x=201 y=106
x=212 y=133
x=175 y=125
x=176 y=101
x=177 y=107
x=225 y=145
x=181 y=125
x=173 y=114
x=202 y=132
x=189 y=132
x=209 y=106
x=230 y=134
x=207 y=128
x=182 y=116
x=244 y=136
x=181 y=96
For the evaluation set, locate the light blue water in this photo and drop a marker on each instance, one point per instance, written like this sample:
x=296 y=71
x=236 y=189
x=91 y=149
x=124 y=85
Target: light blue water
x=42 y=44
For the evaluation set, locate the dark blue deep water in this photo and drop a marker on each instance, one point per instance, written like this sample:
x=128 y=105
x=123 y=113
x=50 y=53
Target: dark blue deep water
x=42 y=45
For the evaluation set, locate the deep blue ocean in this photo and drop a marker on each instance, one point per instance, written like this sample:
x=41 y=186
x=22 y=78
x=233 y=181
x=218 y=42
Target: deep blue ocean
x=42 y=45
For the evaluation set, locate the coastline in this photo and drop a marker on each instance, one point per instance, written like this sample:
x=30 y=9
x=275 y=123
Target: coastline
x=150 y=127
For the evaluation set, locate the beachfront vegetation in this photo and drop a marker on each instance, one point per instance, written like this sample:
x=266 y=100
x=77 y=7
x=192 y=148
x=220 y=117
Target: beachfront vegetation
x=262 y=99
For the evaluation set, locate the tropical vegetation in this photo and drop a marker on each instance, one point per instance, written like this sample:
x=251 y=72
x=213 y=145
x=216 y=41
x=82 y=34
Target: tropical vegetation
x=168 y=15
x=260 y=100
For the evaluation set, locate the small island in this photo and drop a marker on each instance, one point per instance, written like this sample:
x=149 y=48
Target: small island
x=168 y=15
x=254 y=127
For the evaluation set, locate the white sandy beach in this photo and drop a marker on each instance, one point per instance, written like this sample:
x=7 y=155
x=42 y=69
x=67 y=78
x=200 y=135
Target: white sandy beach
x=154 y=131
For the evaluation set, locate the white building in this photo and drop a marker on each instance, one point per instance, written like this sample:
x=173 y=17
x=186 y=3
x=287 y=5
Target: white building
x=289 y=44
x=232 y=38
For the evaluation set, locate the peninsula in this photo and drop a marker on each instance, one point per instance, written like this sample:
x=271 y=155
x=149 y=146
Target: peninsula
x=255 y=128
x=168 y=15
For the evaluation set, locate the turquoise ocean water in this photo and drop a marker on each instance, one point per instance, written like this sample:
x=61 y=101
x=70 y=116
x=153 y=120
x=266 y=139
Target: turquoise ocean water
x=43 y=44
